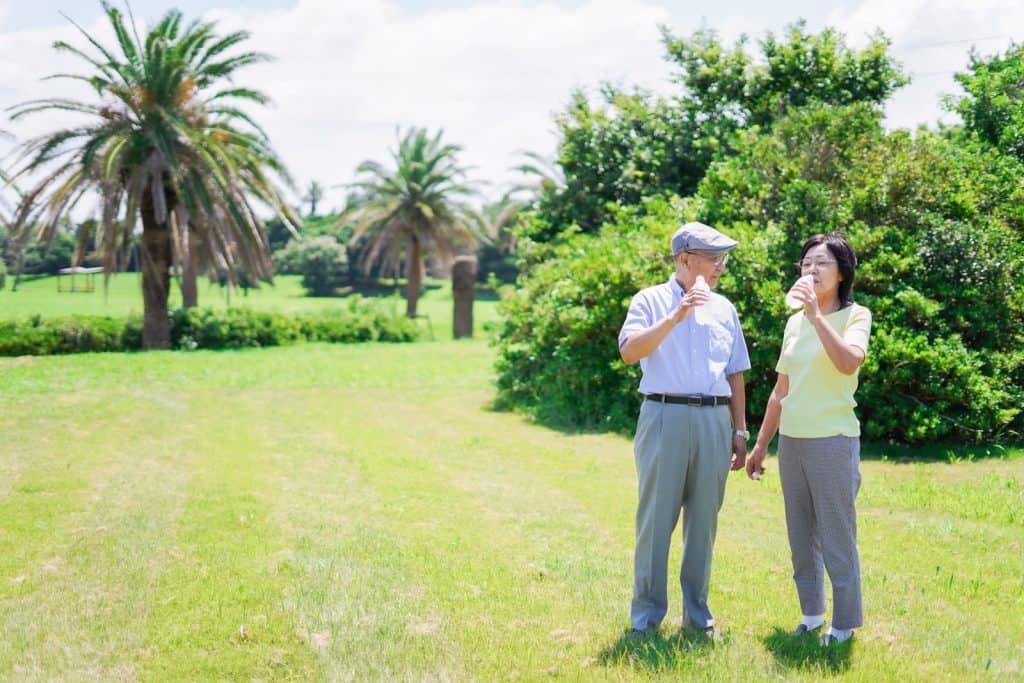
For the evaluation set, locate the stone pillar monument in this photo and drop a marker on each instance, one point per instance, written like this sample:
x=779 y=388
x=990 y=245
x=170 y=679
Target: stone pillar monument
x=463 y=291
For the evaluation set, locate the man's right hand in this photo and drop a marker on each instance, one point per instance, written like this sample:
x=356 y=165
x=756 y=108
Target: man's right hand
x=693 y=298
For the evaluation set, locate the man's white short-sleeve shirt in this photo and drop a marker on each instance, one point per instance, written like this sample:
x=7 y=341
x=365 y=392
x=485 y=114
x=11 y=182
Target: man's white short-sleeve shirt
x=698 y=353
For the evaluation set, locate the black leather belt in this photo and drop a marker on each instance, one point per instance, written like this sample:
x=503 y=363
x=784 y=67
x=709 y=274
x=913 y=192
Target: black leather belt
x=695 y=400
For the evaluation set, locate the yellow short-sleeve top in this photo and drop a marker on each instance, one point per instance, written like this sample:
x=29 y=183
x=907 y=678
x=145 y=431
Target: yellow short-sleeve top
x=820 y=399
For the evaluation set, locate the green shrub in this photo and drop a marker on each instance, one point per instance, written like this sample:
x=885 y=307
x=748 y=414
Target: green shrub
x=3 y=273
x=201 y=328
x=73 y=334
x=321 y=261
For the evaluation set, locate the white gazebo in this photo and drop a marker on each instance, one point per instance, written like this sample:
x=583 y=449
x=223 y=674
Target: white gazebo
x=82 y=279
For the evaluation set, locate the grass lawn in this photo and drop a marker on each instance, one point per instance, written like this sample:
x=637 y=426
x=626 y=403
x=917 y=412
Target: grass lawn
x=124 y=296
x=357 y=513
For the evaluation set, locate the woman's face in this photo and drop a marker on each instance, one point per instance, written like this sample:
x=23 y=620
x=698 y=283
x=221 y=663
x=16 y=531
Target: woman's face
x=821 y=265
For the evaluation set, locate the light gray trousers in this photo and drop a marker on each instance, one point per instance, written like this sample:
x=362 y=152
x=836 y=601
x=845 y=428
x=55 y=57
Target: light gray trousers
x=682 y=463
x=820 y=479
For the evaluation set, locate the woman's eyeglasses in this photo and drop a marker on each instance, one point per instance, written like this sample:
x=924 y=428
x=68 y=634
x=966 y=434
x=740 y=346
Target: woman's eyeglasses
x=807 y=264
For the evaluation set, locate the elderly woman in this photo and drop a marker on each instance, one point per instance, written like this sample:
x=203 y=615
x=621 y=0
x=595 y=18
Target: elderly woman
x=811 y=407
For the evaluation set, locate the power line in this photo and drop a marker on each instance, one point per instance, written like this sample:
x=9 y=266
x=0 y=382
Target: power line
x=924 y=46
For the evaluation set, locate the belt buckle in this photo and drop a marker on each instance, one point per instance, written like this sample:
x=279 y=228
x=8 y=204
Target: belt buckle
x=694 y=401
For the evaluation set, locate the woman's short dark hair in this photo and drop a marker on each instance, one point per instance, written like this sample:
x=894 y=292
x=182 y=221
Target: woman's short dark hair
x=846 y=259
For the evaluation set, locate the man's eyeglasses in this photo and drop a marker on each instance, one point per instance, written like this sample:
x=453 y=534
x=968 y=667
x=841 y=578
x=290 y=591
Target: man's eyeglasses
x=807 y=264
x=719 y=259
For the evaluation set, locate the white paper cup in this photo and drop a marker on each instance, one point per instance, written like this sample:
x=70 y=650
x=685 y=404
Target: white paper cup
x=791 y=301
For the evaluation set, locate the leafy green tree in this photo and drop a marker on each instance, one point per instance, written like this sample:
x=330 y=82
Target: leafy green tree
x=164 y=143
x=633 y=145
x=730 y=90
x=414 y=208
x=993 y=106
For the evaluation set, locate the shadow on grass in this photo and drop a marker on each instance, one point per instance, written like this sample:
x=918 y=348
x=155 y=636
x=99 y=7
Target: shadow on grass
x=804 y=652
x=904 y=454
x=939 y=452
x=377 y=289
x=383 y=289
x=486 y=293
x=551 y=415
x=655 y=651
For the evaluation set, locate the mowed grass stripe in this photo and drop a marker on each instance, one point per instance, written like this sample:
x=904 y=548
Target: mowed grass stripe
x=84 y=531
x=440 y=543
x=222 y=613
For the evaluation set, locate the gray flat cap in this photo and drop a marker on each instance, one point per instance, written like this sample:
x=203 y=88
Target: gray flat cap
x=699 y=237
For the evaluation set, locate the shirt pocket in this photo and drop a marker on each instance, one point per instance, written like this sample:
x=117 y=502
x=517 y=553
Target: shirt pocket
x=720 y=342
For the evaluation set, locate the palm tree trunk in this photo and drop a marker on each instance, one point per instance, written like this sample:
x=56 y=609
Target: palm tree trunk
x=414 y=274
x=156 y=276
x=189 y=268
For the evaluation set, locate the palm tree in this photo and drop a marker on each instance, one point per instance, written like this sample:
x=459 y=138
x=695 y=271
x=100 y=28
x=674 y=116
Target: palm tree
x=313 y=195
x=415 y=208
x=164 y=144
x=502 y=216
x=10 y=250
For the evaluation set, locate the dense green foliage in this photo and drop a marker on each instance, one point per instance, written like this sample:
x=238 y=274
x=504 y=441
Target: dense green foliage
x=321 y=261
x=557 y=352
x=993 y=107
x=938 y=228
x=938 y=231
x=203 y=328
x=635 y=145
x=38 y=336
x=731 y=90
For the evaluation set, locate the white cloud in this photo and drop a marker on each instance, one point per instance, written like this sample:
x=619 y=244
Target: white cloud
x=932 y=39
x=493 y=74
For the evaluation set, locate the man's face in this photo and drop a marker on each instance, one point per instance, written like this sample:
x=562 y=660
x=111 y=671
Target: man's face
x=706 y=264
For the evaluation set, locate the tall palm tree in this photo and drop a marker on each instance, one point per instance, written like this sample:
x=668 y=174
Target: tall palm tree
x=164 y=144
x=417 y=207
x=314 y=194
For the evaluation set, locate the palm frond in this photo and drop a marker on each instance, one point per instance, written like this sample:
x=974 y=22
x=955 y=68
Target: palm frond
x=173 y=141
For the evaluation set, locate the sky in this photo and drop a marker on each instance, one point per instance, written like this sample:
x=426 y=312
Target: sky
x=493 y=75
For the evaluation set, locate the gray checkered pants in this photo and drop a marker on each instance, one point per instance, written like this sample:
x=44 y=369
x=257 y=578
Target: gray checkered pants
x=820 y=479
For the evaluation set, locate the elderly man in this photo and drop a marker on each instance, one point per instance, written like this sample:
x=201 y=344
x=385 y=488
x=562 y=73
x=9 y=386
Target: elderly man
x=692 y=426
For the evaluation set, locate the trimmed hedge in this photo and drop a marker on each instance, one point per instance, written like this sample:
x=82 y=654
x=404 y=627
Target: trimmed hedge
x=203 y=328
